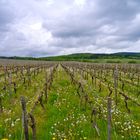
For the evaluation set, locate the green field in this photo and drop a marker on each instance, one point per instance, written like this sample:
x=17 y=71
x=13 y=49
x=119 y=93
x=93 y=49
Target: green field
x=122 y=57
x=69 y=101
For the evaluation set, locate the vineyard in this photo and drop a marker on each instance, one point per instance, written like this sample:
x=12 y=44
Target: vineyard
x=42 y=100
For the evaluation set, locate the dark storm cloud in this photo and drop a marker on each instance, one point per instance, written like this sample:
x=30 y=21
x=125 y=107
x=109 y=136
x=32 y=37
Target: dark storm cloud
x=6 y=15
x=118 y=9
x=50 y=27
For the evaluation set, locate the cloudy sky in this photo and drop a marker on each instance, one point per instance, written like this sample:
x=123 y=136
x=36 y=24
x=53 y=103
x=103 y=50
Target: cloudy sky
x=55 y=27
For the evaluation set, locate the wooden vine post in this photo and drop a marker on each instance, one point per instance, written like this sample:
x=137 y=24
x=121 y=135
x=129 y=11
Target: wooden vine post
x=33 y=126
x=116 y=83
x=5 y=74
x=1 y=108
x=95 y=77
x=94 y=121
x=109 y=117
x=24 y=118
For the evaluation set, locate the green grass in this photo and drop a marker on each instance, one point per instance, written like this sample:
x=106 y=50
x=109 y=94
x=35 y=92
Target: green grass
x=65 y=116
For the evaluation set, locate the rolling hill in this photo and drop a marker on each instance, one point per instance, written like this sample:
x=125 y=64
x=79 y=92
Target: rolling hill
x=82 y=57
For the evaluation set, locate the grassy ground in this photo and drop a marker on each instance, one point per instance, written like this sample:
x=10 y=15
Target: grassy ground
x=123 y=60
x=65 y=117
x=10 y=119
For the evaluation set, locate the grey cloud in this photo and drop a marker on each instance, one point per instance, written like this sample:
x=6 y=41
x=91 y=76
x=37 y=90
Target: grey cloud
x=45 y=27
x=6 y=16
x=118 y=9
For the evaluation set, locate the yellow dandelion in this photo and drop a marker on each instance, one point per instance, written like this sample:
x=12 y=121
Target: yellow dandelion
x=4 y=139
x=53 y=138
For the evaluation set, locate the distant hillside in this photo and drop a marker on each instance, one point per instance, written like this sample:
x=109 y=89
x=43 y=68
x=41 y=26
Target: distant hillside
x=82 y=56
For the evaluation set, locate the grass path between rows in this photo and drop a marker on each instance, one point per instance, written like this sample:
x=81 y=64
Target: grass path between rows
x=63 y=118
